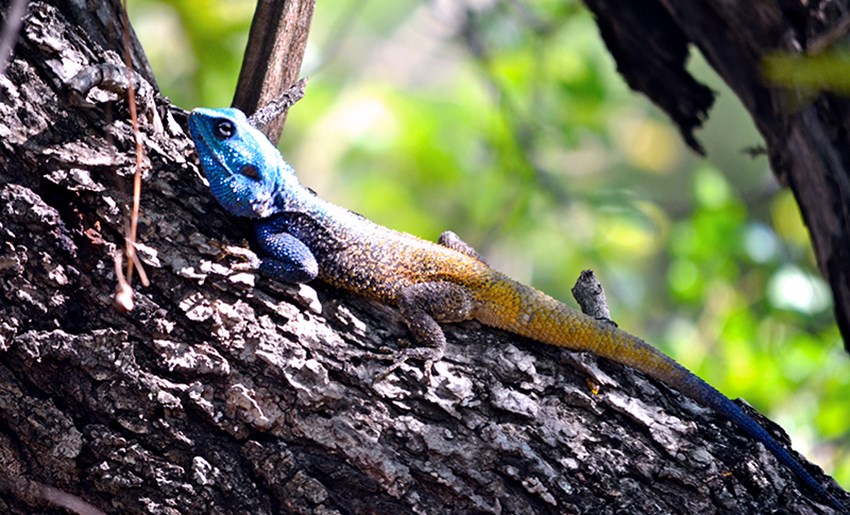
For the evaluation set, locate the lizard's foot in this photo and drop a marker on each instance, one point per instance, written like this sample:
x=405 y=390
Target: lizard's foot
x=421 y=305
x=428 y=355
x=248 y=260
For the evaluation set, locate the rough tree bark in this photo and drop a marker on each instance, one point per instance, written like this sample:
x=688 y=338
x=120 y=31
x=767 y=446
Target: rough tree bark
x=224 y=392
x=807 y=133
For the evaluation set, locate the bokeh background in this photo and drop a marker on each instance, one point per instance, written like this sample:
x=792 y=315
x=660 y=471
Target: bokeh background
x=505 y=121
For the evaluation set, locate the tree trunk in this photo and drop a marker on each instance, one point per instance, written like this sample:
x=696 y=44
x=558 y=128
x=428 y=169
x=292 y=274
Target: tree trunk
x=807 y=132
x=225 y=392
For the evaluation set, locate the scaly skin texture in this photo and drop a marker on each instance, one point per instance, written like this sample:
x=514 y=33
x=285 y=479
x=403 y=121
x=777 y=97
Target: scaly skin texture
x=304 y=237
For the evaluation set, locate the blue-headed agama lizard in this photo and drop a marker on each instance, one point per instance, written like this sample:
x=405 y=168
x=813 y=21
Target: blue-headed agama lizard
x=303 y=237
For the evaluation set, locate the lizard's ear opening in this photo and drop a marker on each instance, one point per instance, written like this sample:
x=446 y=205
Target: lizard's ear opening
x=250 y=171
x=224 y=129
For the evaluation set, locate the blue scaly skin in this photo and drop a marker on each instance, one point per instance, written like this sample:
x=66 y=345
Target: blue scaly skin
x=303 y=237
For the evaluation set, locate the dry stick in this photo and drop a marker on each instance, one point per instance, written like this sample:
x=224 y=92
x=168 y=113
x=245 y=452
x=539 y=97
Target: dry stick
x=124 y=292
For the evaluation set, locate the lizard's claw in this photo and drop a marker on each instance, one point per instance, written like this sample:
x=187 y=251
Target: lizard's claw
x=248 y=259
x=428 y=355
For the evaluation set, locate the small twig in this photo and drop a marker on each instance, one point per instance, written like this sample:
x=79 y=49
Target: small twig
x=279 y=105
x=124 y=292
x=137 y=262
x=137 y=137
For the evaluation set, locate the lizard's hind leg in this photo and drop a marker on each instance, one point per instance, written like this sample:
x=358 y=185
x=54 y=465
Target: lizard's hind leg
x=452 y=240
x=422 y=306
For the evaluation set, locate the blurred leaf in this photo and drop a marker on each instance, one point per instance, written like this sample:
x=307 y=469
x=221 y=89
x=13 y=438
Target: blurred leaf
x=822 y=72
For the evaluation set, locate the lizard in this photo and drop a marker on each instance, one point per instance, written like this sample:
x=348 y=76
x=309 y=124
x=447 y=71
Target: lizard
x=303 y=237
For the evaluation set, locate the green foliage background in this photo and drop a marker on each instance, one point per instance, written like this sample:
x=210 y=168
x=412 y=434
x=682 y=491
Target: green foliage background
x=508 y=124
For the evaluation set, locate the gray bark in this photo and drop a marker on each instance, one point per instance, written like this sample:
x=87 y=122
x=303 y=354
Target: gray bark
x=225 y=392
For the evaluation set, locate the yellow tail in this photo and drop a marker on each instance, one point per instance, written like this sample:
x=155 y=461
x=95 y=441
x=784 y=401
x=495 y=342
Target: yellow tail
x=520 y=309
x=512 y=306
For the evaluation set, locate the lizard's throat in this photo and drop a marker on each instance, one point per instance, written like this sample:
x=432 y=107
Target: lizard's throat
x=240 y=200
x=263 y=205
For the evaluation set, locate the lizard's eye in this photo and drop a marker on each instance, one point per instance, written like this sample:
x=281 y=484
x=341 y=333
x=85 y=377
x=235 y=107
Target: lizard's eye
x=250 y=171
x=224 y=129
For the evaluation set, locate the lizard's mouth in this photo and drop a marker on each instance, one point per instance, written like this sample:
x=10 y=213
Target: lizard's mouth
x=208 y=157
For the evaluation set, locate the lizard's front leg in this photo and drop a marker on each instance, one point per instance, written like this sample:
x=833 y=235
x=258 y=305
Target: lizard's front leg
x=286 y=258
x=422 y=306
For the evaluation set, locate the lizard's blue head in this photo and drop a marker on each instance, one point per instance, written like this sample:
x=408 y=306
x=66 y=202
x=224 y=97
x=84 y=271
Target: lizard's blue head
x=244 y=169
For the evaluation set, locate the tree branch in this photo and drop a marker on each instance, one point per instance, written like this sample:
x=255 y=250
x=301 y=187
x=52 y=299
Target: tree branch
x=273 y=56
x=223 y=388
x=808 y=142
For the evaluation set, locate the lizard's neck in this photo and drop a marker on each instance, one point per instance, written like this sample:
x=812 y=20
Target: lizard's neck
x=293 y=197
